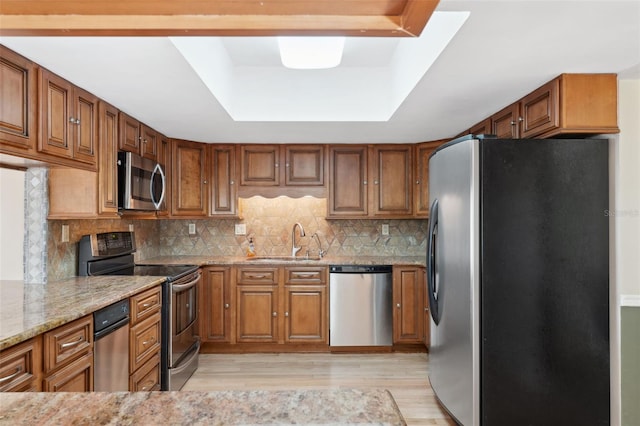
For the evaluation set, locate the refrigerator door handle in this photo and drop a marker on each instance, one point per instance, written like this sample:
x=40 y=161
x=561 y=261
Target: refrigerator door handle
x=432 y=285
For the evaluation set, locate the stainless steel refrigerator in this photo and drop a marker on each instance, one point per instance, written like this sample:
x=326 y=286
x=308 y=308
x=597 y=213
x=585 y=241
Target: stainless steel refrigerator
x=518 y=281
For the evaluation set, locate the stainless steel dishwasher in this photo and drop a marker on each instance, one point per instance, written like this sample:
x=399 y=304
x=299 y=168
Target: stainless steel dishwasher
x=111 y=348
x=360 y=305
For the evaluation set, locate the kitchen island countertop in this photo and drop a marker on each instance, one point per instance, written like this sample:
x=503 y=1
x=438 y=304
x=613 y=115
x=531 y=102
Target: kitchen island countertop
x=333 y=406
x=30 y=309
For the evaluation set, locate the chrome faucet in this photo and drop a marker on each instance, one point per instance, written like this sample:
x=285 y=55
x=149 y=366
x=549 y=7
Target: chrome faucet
x=320 y=251
x=295 y=249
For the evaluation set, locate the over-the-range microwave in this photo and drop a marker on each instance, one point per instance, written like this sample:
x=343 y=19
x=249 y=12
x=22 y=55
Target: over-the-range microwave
x=141 y=183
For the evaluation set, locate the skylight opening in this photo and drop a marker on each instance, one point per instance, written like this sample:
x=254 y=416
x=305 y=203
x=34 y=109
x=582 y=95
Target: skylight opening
x=304 y=53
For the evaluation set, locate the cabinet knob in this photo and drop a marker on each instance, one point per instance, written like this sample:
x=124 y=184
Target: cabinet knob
x=277 y=165
x=398 y=306
x=364 y=183
x=426 y=309
x=232 y=182
x=513 y=123
x=375 y=182
x=226 y=306
x=417 y=182
x=286 y=165
x=520 y=119
x=77 y=121
x=286 y=314
x=204 y=181
x=275 y=314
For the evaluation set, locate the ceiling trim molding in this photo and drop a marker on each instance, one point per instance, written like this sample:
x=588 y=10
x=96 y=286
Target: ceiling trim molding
x=388 y=18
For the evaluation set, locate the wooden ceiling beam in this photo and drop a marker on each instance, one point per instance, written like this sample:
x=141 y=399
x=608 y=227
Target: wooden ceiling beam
x=379 y=18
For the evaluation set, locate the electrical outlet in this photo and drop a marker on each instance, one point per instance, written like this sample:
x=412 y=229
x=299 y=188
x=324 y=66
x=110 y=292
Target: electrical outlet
x=192 y=229
x=241 y=229
x=131 y=227
x=64 y=238
x=385 y=229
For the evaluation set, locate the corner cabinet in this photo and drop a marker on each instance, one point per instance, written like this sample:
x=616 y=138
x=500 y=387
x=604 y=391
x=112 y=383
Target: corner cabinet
x=18 y=103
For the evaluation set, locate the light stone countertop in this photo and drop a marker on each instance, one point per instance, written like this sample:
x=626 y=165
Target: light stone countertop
x=284 y=260
x=27 y=310
x=334 y=406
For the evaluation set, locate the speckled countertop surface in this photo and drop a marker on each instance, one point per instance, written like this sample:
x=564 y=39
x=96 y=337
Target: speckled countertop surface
x=300 y=260
x=27 y=310
x=335 y=406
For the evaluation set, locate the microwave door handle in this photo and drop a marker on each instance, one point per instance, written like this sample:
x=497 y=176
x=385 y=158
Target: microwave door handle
x=159 y=171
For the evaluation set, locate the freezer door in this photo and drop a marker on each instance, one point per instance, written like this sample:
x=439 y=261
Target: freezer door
x=453 y=279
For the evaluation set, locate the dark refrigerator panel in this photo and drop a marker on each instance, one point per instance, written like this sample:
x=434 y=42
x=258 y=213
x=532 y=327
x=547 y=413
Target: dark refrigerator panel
x=544 y=270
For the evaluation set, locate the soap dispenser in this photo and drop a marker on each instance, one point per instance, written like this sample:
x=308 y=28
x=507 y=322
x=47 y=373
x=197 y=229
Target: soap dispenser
x=251 y=251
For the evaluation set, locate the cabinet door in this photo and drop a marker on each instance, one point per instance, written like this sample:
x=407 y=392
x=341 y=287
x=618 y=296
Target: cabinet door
x=408 y=313
x=56 y=115
x=421 y=194
x=147 y=377
x=257 y=313
x=348 y=181
x=20 y=366
x=76 y=377
x=224 y=190
x=18 y=100
x=149 y=145
x=144 y=342
x=482 y=128
x=108 y=167
x=260 y=165
x=539 y=110
x=305 y=316
x=391 y=174
x=85 y=128
x=129 y=139
x=304 y=165
x=504 y=124
x=216 y=303
x=188 y=179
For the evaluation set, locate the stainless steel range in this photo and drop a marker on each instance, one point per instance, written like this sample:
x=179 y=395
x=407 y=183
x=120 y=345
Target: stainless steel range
x=111 y=253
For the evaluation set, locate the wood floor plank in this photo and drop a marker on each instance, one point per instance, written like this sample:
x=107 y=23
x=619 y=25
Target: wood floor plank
x=405 y=375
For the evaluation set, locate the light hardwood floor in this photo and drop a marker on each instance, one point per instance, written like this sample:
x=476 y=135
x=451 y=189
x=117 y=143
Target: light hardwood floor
x=403 y=374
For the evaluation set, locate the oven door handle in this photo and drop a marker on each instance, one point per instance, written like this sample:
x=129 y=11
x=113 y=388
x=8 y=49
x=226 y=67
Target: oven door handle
x=176 y=288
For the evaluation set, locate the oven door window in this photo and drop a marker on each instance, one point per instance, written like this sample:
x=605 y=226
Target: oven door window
x=184 y=309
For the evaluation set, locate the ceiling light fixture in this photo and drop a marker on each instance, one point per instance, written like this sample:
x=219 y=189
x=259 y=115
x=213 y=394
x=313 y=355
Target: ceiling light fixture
x=311 y=52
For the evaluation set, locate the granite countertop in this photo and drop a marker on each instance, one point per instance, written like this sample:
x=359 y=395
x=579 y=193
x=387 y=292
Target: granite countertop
x=27 y=310
x=285 y=260
x=333 y=406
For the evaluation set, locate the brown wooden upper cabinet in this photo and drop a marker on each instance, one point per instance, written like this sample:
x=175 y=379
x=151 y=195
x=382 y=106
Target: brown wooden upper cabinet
x=348 y=181
x=370 y=181
x=189 y=192
x=18 y=101
x=69 y=117
x=138 y=138
x=223 y=188
x=275 y=165
x=421 y=170
x=505 y=123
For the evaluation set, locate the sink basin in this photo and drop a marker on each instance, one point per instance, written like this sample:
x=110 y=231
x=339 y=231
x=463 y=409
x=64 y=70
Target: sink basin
x=281 y=259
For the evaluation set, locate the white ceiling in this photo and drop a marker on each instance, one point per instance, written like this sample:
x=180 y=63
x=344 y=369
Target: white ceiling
x=504 y=50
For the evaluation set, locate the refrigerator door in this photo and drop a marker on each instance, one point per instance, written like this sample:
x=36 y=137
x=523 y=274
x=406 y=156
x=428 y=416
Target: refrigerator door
x=453 y=279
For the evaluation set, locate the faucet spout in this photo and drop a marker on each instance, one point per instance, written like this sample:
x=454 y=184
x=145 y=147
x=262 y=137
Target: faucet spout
x=320 y=251
x=295 y=249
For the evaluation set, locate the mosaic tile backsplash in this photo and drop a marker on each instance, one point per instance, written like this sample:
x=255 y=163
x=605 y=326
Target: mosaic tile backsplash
x=268 y=221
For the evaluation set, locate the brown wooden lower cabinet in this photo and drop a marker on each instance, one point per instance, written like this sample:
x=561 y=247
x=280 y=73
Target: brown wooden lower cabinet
x=216 y=305
x=305 y=316
x=21 y=366
x=408 y=302
x=147 y=377
x=144 y=342
x=257 y=314
x=75 y=377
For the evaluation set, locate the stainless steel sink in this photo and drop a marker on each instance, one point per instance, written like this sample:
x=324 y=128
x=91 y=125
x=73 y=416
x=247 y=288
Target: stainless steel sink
x=266 y=259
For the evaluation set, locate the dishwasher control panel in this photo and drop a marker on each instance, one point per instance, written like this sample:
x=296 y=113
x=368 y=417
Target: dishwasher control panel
x=360 y=269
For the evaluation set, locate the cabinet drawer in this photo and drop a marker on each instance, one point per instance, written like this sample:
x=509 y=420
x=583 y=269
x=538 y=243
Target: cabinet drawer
x=20 y=366
x=75 y=377
x=259 y=276
x=147 y=378
x=144 y=341
x=68 y=342
x=145 y=304
x=305 y=275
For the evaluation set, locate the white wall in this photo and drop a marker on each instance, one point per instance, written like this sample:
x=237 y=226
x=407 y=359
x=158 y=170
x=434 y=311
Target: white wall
x=11 y=224
x=627 y=208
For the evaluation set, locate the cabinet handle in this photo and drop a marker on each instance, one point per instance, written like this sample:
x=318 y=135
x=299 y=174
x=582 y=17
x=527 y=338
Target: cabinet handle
x=146 y=305
x=256 y=277
x=149 y=385
x=11 y=376
x=226 y=306
x=275 y=314
x=398 y=306
x=304 y=275
x=69 y=344
x=146 y=342
x=286 y=314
